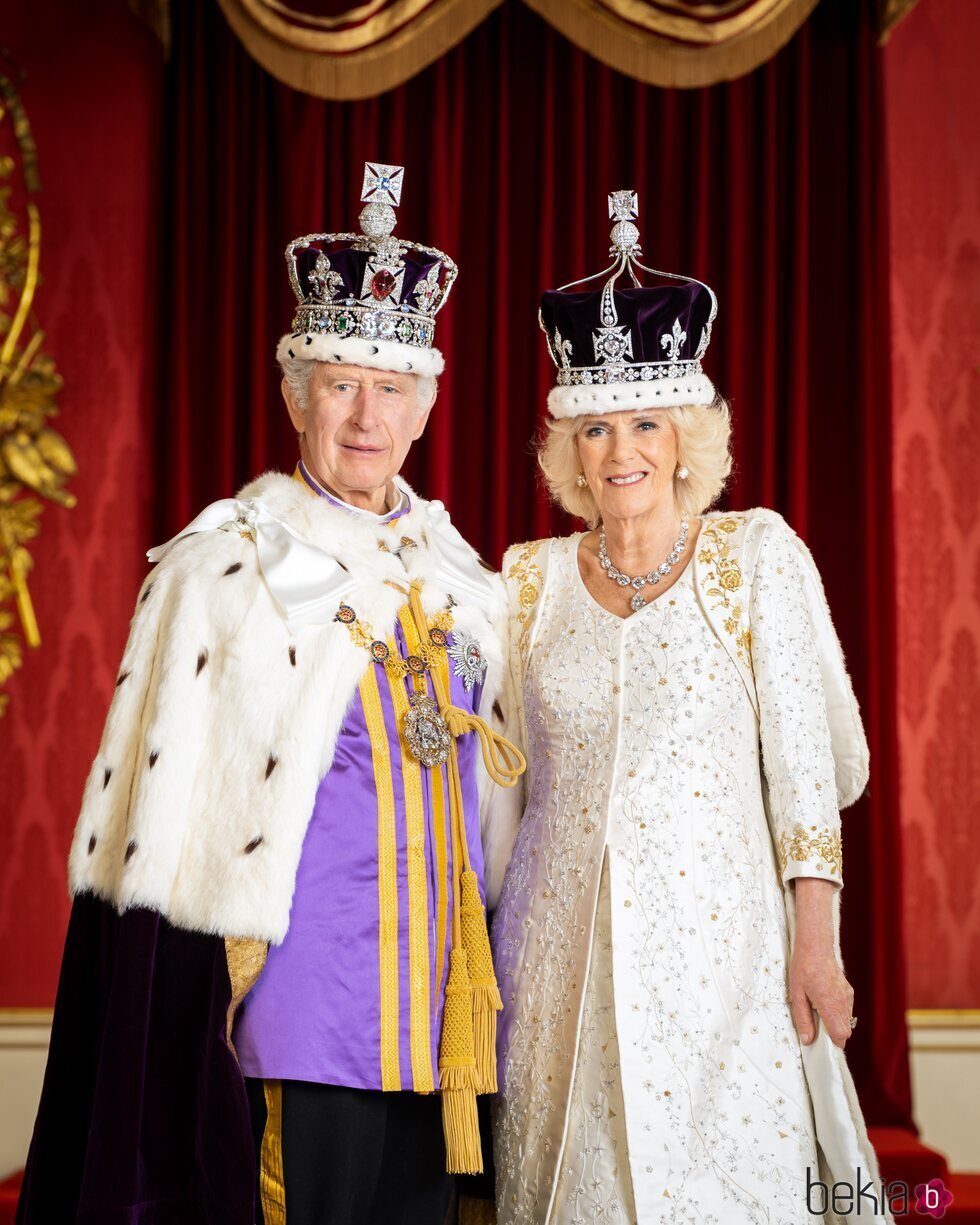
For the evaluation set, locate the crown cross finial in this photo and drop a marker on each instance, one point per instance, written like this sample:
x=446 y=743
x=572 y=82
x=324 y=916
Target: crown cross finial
x=381 y=189
x=382 y=184
x=625 y=237
x=623 y=205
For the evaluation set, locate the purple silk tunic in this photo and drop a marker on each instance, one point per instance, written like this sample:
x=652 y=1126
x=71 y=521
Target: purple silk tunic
x=316 y=1012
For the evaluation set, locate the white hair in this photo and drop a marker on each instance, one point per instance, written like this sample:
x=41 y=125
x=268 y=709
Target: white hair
x=299 y=371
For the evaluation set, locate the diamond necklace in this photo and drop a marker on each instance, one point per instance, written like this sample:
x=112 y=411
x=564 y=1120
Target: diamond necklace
x=641 y=580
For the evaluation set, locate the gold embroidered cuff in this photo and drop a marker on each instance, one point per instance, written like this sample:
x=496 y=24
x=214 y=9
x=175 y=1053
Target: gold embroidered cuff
x=810 y=852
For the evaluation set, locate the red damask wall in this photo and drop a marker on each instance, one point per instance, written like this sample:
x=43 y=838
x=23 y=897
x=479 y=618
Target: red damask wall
x=933 y=97
x=92 y=87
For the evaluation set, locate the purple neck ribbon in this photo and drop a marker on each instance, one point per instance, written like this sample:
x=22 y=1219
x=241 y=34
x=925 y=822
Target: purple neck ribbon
x=403 y=507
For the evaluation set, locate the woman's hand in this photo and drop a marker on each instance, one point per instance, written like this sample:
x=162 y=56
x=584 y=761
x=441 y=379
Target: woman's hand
x=816 y=980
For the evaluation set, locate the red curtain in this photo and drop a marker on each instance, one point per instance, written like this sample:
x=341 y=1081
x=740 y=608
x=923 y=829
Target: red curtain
x=770 y=188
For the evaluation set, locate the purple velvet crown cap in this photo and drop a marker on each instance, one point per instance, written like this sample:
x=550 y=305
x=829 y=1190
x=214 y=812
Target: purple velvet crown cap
x=630 y=347
x=351 y=265
x=368 y=299
x=648 y=312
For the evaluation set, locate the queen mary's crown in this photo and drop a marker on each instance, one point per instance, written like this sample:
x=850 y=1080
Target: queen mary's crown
x=368 y=299
x=629 y=348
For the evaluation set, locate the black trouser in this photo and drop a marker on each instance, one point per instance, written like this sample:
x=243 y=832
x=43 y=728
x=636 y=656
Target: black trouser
x=347 y=1156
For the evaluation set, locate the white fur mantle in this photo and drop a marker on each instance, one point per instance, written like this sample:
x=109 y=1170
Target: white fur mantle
x=224 y=720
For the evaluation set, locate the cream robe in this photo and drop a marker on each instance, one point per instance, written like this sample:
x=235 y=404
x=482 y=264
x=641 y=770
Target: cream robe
x=703 y=747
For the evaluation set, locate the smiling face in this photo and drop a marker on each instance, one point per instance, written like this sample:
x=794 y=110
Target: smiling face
x=629 y=461
x=357 y=427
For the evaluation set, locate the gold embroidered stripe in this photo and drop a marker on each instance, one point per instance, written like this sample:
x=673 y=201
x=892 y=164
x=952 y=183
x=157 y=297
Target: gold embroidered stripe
x=272 y=1188
x=439 y=825
x=419 y=964
x=439 y=818
x=387 y=880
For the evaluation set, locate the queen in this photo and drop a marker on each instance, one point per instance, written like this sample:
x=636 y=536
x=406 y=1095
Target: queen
x=666 y=942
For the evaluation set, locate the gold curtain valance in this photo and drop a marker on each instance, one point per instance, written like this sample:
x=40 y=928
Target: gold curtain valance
x=362 y=52
x=675 y=44
x=345 y=51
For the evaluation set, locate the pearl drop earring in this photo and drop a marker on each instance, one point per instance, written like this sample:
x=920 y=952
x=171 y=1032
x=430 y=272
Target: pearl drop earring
x=580 y=480
x=682 y=474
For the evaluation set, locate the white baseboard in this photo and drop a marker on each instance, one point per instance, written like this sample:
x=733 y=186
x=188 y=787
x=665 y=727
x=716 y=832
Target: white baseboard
x=945 y=1059
x=24 y=1036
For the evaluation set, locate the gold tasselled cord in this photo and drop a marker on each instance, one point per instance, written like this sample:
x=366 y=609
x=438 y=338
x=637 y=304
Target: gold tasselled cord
x=467 y=1049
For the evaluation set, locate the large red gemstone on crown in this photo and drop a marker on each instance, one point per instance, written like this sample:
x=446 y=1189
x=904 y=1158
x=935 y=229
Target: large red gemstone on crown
x=382 y=283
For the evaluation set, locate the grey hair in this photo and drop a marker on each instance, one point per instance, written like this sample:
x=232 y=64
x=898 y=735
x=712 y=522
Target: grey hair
x=703 y=447
x=298 y=372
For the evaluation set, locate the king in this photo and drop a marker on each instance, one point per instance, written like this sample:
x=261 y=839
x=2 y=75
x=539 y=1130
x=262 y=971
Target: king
x=277 y=972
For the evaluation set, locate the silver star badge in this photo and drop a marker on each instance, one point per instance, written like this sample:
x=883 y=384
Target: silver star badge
x=468 y=661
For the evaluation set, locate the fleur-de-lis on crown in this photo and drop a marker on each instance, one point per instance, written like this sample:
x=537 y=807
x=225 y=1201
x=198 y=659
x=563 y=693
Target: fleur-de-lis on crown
x=672 y=342
x=324 y=280
x=562 y=350
x=427 y=290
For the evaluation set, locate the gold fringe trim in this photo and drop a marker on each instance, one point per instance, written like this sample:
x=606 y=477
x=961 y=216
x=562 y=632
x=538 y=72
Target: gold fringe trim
x=485 y=1038
x=486 y=994
x=457 y=1072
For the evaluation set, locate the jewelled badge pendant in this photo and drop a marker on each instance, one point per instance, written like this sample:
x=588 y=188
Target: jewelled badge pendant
x=426 y=732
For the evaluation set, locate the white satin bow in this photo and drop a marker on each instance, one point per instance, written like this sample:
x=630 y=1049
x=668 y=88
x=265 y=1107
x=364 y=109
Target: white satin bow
x=305 y=582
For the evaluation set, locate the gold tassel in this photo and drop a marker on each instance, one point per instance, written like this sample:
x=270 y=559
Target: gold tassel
x=457 y=1072
x=486 y=995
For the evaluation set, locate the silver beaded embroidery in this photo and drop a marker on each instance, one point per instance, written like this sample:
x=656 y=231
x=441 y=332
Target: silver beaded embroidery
x=643 y=744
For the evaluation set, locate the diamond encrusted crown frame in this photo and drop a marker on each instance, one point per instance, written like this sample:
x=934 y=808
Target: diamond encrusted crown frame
x=613 y=346
x=379 y=308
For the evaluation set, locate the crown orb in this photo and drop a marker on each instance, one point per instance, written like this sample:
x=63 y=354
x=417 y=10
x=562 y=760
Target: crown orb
x=377 y=220
x=625 y=236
